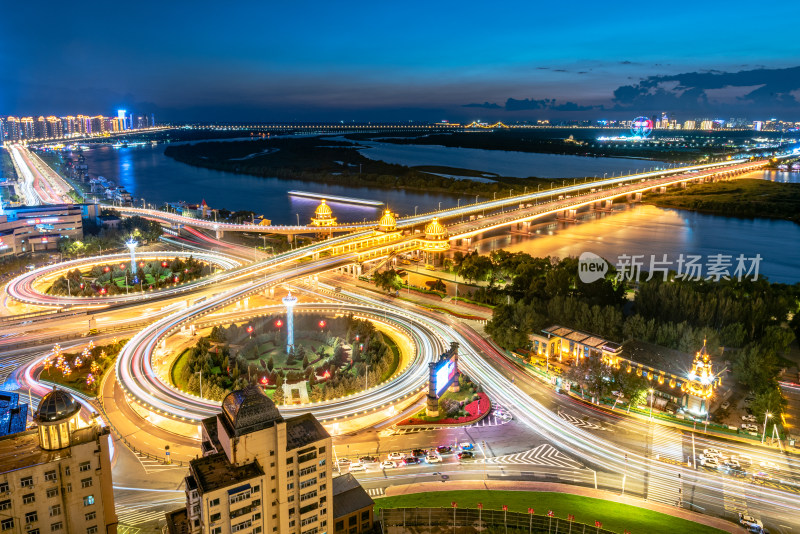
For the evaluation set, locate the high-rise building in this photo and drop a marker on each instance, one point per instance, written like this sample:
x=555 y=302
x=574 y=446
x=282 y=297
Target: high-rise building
x=13 y=132
x=28 y=129
x=40 y=128
x=57 y=478
x=13 y=415
x=2 y=131
x=98 y=124
x=54 y=127
x=758 y=126
x=121 y=118
x=261 y=473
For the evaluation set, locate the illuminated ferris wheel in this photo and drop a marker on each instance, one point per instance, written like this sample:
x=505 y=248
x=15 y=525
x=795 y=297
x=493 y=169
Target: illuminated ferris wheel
x=641 y=127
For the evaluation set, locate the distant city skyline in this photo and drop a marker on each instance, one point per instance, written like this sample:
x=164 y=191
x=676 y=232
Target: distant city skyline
x=427 y=62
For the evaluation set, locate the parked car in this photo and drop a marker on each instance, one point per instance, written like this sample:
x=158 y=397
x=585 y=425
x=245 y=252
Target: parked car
x=433 y=459
x=342 y=461
x=711 y=463
x=411 y=460
x=396 y=456
x=444 y=449
x=746 y=520
x=388 y=464
x=419 y=453
x=749 y=418
x=711 y=452
x=357 y=466
x=466 y=455
x=725 y=405
x=466 y=446
x=368 y=459
x=750 y=427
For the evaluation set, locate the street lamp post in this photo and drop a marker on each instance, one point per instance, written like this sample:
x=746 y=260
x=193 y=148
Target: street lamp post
x=651 y=403
x=131 y=244
x=201 y=383
x=767 y=415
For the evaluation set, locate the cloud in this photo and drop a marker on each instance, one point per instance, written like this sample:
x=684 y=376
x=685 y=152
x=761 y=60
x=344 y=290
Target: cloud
x=485 y=105
x=512 y=104
x=760 y=90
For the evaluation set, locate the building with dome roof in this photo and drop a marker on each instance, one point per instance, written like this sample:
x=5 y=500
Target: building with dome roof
x=388 y=222
x=323 y=215
x=57 y=477
x=261 y=472
x=435 y=243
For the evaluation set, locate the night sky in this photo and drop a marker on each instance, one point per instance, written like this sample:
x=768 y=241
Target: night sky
x=302 y=60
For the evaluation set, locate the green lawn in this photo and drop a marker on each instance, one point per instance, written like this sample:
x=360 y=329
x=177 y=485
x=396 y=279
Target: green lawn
x=177 y=368
x=395 y=357
x=614 y=516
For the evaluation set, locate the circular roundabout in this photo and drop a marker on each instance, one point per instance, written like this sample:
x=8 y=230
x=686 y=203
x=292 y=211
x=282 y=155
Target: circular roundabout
x=158 y=277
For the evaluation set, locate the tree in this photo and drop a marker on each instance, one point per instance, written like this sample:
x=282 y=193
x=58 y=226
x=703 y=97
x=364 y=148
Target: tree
x=270 y=364
x=631 y=385
x=278 y=397
x=591 y=374
x=388 y=280
x=769 y=401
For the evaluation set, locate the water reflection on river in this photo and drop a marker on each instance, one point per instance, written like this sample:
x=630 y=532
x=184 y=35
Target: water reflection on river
x=648 y=230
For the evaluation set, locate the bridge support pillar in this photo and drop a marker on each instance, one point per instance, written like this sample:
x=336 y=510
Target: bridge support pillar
x=684 y=185
x=637 y=197
x=219 y=234
x=272 y=291
x=662 y=189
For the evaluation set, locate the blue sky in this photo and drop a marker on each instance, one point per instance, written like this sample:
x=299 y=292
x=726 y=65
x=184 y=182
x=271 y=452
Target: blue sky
x=386 y=60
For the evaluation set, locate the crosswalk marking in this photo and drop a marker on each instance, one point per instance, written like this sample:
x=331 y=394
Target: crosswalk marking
x=733 y=495
x=665 y=487
x=580 y=423
x=132 y=512
x=544 y=454
x=376 y=492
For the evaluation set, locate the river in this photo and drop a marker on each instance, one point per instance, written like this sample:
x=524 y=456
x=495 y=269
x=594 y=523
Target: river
x=646 y=230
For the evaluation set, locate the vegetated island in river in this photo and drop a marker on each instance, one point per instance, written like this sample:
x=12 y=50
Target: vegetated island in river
x=325 y=160
x=738 y=198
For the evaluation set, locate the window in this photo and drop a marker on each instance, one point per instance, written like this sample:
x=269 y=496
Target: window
x=55 y=527
x=215 y=517
x=309 y=495
x=323 y=524
x=31 y=517
x=33 y=531
x=233 y=499
x=291 y=523
x=84 y=466
x=365 y=515
x=290 y=473
x=308 y=521
x=322 y=487
x=289 y=461
x=306 y=457
x=311 y=531
x=241 y=526
x=213 y=502
x=309 y=482
x=290 y=499
x=272 y=477
x=52 y=492
x=322 y=450
x=7 y=524
x=216 y=530
x=257 y=530
x=30 y=498
x=88 y=500
x=90 y=516
x=66 y=471
x=272 y=464
x=26 y=482
x=272 y=453
x=308 y=470
x=322 y=462
x=3 y=487
x=339 y=525
x=256 y=489
x=50 y=475
x=86 y=483
x=69 y=487
x=92 y=530
x=55 y=510
x=5 y=505
x=351 y=520
x=290 y=486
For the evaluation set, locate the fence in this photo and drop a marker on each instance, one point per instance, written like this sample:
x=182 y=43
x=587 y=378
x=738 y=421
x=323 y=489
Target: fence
x=468 y=521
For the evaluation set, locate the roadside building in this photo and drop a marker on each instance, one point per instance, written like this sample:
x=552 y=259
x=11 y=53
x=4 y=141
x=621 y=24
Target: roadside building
x=57 y=477
x=35 y=228
x=260 y=473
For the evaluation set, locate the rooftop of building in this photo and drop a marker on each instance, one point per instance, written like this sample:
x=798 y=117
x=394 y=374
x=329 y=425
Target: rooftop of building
x=583 y=338
x=21 y=450
x=349 y=496
x=303 y=430
x=668 y=360
x=215 y=472
x=178 y=522
x=248 y=410
x=57 y=405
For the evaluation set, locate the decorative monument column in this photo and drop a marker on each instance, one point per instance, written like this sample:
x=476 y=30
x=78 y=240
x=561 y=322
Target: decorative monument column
x=700 y=386
x=131 y=244
x=289 y=301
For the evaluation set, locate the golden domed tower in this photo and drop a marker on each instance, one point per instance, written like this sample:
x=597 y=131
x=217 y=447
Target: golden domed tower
x=387 y=223
x=323 y=216
x=701 y=383
x=435 y=243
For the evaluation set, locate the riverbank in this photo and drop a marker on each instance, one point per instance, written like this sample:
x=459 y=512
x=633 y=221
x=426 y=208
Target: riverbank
x=331 y=161
x=746 y=198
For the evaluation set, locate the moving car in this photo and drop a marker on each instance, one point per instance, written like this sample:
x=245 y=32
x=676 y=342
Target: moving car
x=444 y=449
x=342 y=461
x=396 y=456
x=466 y=446
x=388 y=464
x=466 y=455
x=433 y=459
x=711 y=463
x=411 y=460
x=368 y=459
x=357 y=466
x=419 y=453
x=746 y=520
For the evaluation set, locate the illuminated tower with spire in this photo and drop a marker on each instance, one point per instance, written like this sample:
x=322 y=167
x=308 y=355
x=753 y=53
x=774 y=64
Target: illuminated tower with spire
x=700 y=385
x=289 y=301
